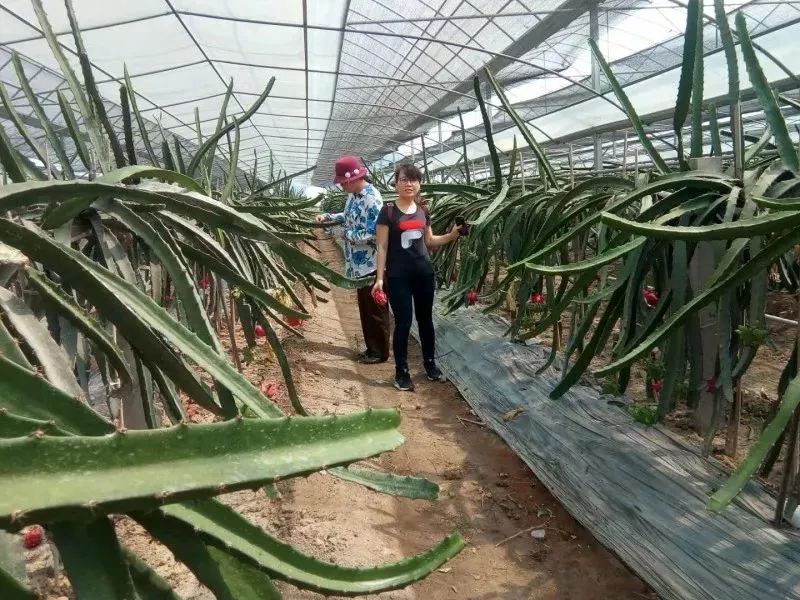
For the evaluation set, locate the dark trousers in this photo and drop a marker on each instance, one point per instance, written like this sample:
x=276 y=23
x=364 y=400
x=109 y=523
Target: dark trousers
x=411 y=296
x=375 y=323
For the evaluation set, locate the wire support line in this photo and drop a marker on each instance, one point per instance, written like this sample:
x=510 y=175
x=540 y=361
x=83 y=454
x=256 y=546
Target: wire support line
x=406 y=36
x=552 y=11
x=515 y=14
x=74 y=53
x=208 y=59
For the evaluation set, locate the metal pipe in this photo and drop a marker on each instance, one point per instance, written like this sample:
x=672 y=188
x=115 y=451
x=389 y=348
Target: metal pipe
x=571 y=167
x=594 y=34
x=780 y=320
x=420 y=38
x=790 y=460
x=625 y=155
x=552 y=11
x=516 y=14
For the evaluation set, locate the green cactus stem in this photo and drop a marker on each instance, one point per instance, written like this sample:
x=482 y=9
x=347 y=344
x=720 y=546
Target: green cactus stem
x=46 y=478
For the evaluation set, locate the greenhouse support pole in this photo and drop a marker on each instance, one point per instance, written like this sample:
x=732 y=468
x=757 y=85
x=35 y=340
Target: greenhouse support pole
x=625 y=155
x=791 y=460
x=709 y=410
x=571 y=167
x=614 y=146
x=48 y=168
x=789 y=467
x=439 y=131
x=594 y=34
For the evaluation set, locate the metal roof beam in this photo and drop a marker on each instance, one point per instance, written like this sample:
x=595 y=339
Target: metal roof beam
x=539 y=33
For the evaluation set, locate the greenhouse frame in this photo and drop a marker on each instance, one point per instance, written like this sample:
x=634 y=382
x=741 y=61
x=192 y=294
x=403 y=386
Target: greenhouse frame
x=249 y=249
x=366 y=78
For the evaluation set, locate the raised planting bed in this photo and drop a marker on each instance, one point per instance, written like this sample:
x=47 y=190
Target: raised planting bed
x=641 y=491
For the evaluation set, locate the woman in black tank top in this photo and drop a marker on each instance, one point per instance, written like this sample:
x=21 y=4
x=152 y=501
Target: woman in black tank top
x=403 y=237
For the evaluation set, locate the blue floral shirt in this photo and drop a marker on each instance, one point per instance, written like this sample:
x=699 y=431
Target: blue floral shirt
x=360 y=220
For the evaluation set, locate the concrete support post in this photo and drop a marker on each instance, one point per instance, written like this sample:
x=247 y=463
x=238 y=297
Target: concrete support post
x=701 y=267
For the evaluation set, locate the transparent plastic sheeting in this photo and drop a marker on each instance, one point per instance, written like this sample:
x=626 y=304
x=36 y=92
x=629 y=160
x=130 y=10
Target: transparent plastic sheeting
x=354 y=76
x=182 y=58
x=640 y=39
x=649 y=97
x=368 y=76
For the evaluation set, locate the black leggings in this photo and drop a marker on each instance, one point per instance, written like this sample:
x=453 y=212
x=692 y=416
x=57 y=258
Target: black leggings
x=402 y=291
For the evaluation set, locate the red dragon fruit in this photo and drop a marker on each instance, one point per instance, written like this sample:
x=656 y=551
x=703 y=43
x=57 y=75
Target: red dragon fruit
x=650 y=297
x=269 y=387
x=32 y=537
x=537 y=298
x=380 y=297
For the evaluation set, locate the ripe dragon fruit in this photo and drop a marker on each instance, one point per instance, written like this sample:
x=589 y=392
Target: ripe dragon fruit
x=650 y=298
x=380 y=297
x=33 y=537
x=269 y=388
x=472 y=297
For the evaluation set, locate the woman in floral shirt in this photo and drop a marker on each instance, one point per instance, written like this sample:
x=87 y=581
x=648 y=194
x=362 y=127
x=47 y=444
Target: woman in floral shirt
x=359 y=218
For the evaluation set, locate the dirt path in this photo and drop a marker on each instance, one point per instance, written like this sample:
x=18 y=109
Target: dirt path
x=487 y=493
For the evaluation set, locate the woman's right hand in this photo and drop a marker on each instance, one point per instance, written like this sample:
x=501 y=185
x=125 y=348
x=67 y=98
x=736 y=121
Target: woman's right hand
x=319 y=218
x=378 y=285
x=463 y=226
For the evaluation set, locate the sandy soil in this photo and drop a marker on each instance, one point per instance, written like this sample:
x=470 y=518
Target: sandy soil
x=487 y=493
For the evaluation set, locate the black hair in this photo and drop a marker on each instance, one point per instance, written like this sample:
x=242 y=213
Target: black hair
x=410 y=170
x=414 y=173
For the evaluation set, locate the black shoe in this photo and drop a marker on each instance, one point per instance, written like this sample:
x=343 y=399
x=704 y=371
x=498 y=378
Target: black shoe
x=402 y=382
x=369 y=358
x=432 y=371
x=372 y=359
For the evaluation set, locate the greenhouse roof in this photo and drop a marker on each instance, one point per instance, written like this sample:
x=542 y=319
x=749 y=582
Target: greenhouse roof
x=373 y=77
